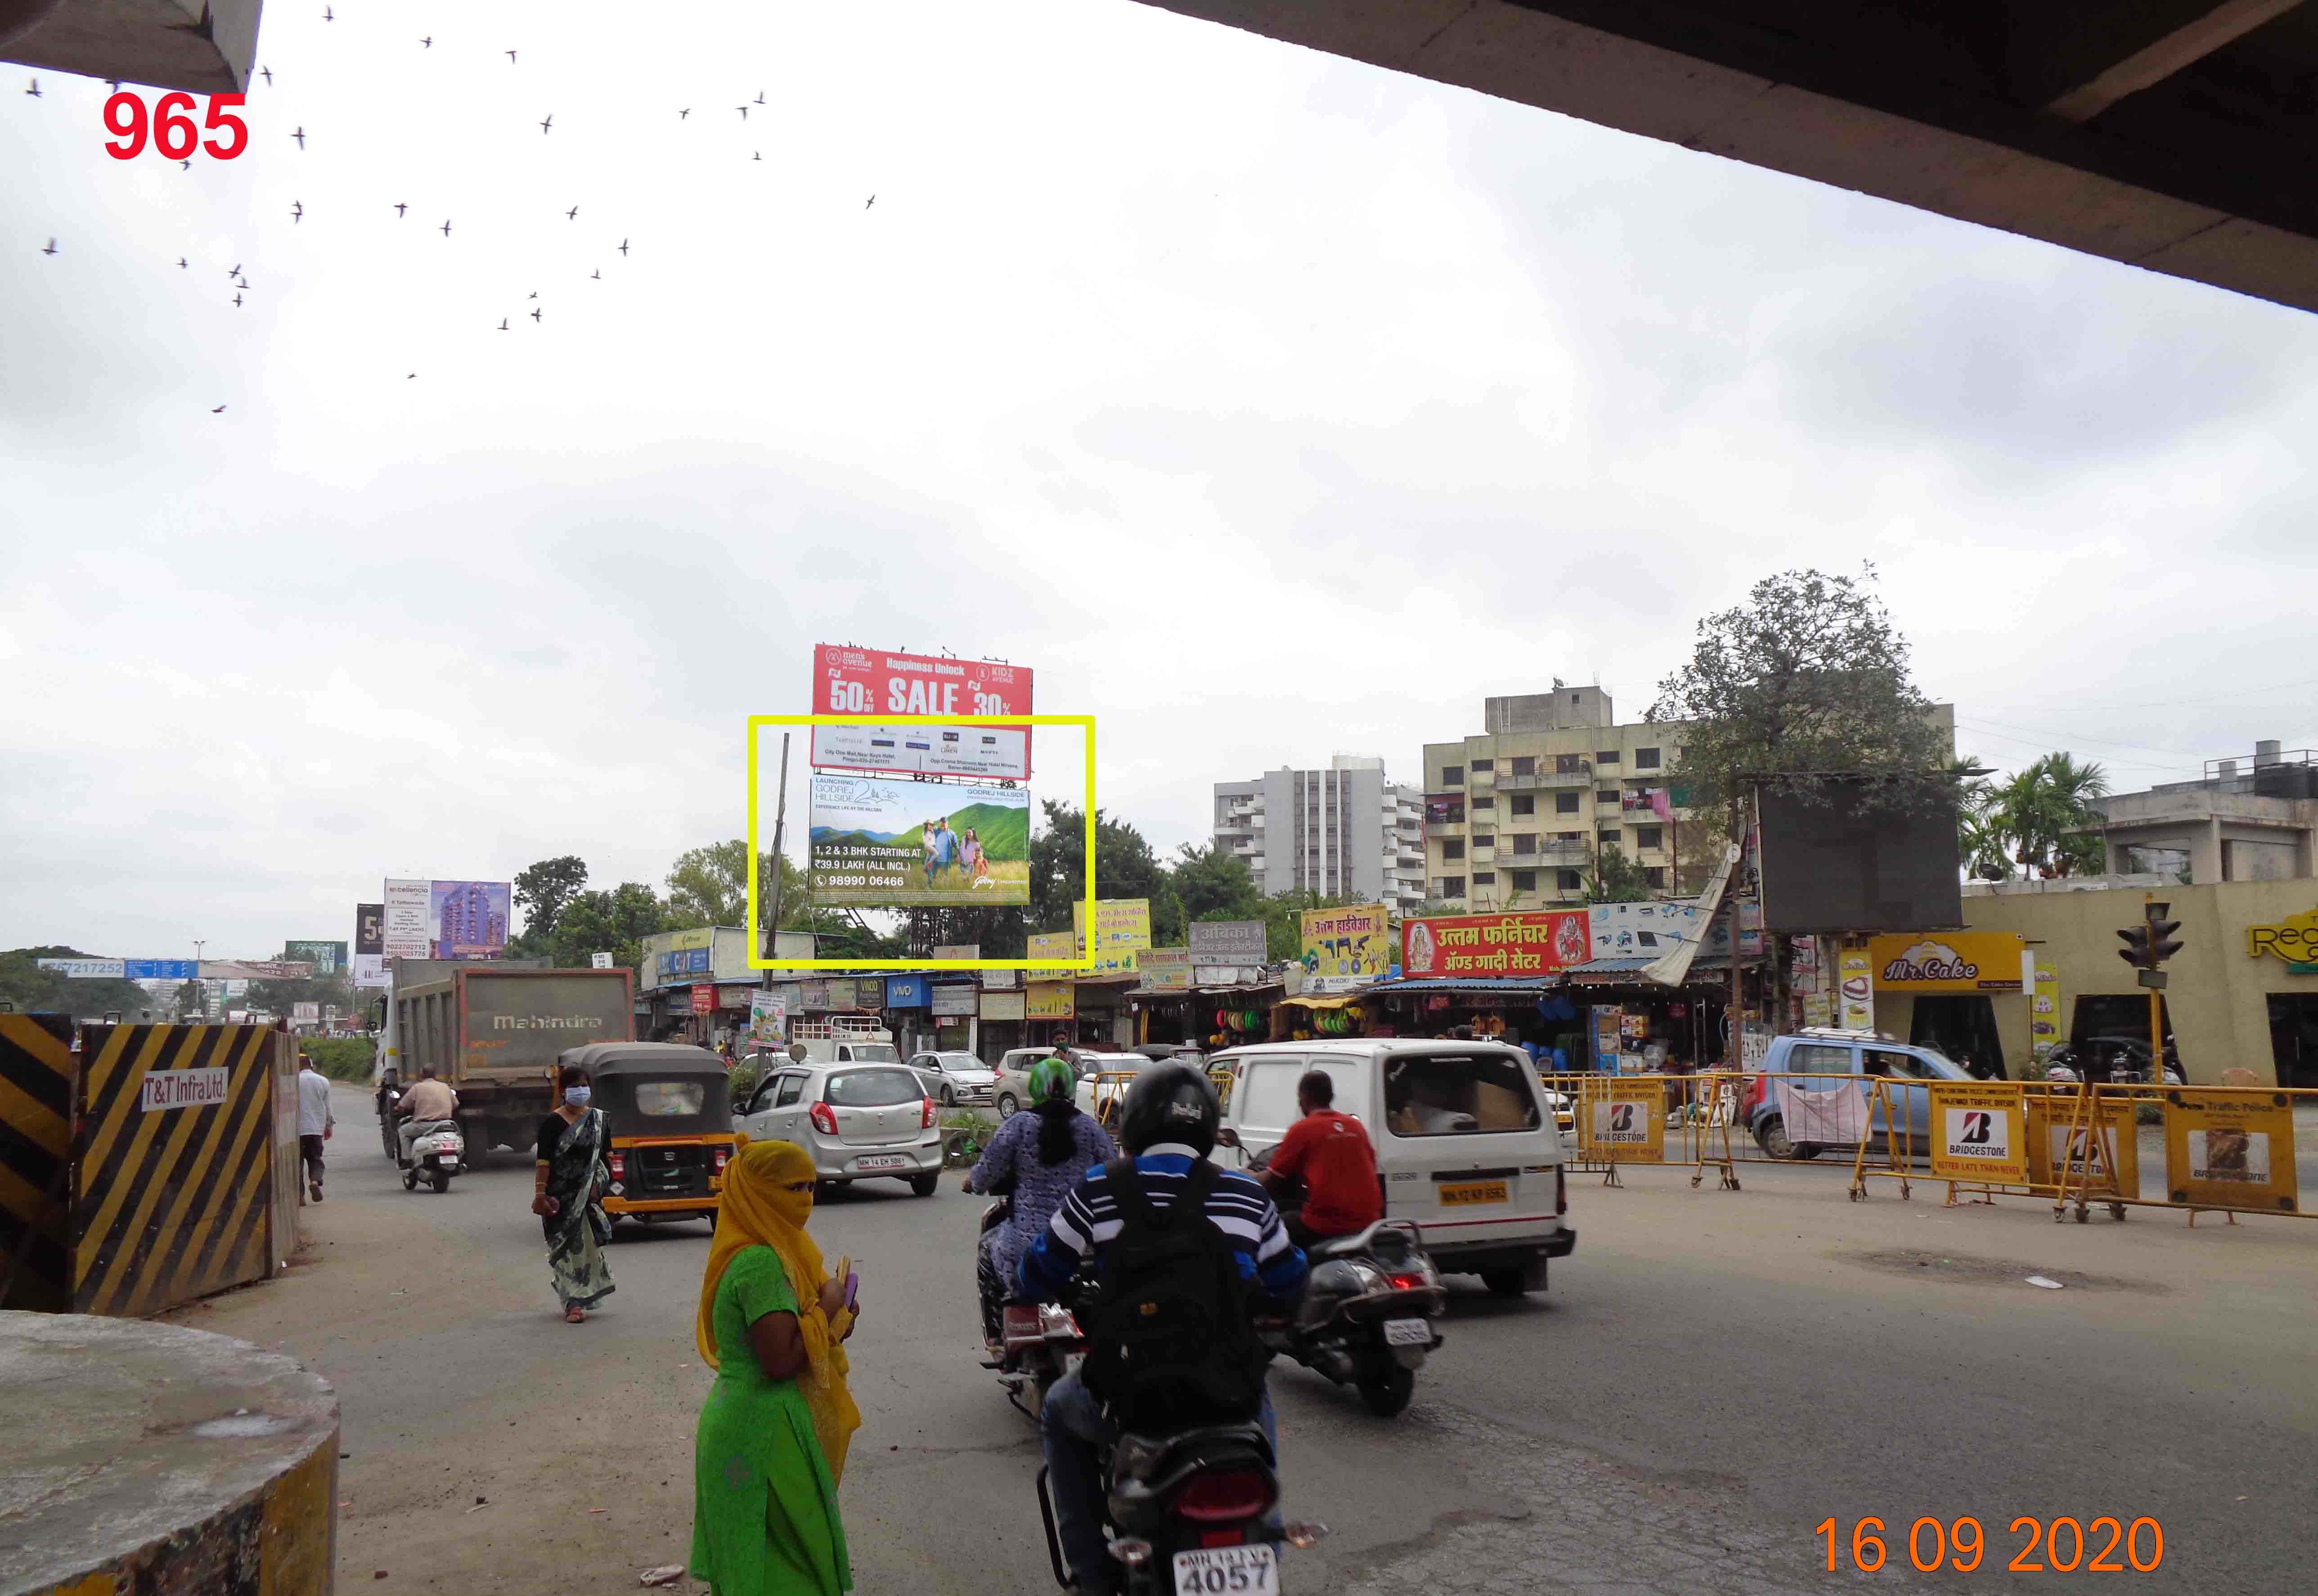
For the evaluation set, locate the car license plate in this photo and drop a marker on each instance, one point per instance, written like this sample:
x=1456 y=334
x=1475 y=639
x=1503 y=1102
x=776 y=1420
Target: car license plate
x=1407 y=1332
x=1237 y=1571
x=1462 y=1194
x=883 y=1160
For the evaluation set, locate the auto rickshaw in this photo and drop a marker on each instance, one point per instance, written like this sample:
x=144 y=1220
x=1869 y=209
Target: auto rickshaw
x=668 y=1112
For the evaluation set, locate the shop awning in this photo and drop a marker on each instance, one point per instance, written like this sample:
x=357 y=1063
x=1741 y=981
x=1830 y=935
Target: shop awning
x=1616 y=970
x=1478 y=983
x=1345 y=1002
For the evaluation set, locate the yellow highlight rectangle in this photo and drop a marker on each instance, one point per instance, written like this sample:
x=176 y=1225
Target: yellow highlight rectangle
x=756 y=941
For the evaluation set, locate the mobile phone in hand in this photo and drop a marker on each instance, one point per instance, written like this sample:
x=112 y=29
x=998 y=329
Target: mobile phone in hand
x=852 y=1285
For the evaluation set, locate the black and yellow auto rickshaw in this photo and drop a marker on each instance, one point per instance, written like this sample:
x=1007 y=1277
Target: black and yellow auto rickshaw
x=669 y=1117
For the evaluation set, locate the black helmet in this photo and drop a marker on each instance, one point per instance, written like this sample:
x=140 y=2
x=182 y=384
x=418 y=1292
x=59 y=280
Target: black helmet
x=1170 y=1102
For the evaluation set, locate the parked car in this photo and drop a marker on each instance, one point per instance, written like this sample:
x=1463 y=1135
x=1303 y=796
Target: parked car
x=858 y=1122
x=954 y=1078
x=1827 y=1052
x=1013 y=1090
x=1104 y=1078
x=1173 y=1050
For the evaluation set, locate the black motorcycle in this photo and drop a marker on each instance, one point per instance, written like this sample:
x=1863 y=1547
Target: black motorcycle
x=1369 y=1316
x=1037 y=1342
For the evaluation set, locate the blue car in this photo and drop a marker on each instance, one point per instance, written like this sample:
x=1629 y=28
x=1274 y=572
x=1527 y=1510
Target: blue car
x=1822 y=1054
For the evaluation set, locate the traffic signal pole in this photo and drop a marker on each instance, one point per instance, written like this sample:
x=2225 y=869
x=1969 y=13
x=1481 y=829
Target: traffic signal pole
x=2152 y=915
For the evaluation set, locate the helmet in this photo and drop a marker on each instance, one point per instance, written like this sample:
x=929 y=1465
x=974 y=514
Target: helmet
x=1169 y=1102
x=1051 y=1077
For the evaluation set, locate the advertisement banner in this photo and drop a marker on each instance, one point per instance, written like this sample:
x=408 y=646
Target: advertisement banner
x=769 y=1016
x=1345 y=946
x=979 y=753
x=1122 y=929
x=1624 y=1121
x=1977 y=1133
x=2233 y=1150
x=1227 y=942
x=370 y=971
x=812 y=996
x=957 y=950
x=954 y=1000
x=1047 y=999
x=405 y=934
x=1001 y=979
x=1050 y=944
x=468 y=919
x=1003 y=1005
x=885 y=843
x=305 y=1011
x=850 y=681
x=1947 y=962
x=328 y=958
x=1855 y=990
x=1166 y=969
x=673 y=958
x=704 y=999
x=2060 y=1143
x=844 y=992
x=1532 y=943
x=370 y=928
x=905 y=992
x=2044 y=1008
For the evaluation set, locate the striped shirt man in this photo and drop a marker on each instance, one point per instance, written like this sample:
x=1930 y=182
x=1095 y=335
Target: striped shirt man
x=1089 y=1220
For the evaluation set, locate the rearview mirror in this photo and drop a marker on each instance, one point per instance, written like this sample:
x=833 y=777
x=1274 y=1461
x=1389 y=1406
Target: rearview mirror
x=1226 y=1137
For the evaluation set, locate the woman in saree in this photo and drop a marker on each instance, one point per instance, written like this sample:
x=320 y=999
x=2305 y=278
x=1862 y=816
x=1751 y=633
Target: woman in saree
x=568 y=1196
x=778 y=1421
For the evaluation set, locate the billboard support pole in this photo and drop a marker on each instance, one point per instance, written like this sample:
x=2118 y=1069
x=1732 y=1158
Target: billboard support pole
x=780 y=818
x=1737 y=1026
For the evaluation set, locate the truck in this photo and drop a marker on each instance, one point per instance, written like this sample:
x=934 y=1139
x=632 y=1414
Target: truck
x=493 y=1033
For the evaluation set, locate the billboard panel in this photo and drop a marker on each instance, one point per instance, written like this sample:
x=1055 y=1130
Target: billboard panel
x=987 y=753
x=328 y=958
x=1227 y=942
x=1166 y=969
x=468 y=919
x=1346 y=947
x=1122 y=929
x=1834 y=859
x=885 y=843
x=405 y=934
x=1532 y=943
x=1047 y=999
x=1049 y=945
x=369 y=958
x=850 y=681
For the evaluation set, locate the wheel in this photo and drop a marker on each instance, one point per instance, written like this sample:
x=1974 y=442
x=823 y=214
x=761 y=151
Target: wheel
x=1007 y=1107
x=411 y=1179
x=949 y=1097
x=1772 y=1140
x=1504 y=1283
x=925 y=1186
x=1386 y=1390
x=440 y=1181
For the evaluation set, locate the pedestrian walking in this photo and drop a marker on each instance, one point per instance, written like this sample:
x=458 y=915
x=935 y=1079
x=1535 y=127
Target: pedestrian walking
x=316 y=1122
x=568 y=1196
x=775 y=1426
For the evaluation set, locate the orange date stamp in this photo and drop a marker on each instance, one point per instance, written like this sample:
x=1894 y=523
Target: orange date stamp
x=2043 y=1546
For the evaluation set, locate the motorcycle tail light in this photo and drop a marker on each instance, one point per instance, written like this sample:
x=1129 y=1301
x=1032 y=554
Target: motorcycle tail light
x=1410 y=1282
x=619 y=1164
x=1560 y=1190
x=825 y=1119
x=927 y=1123
x=1224 y=1496
x=1223 y=1537
x=722 y=1154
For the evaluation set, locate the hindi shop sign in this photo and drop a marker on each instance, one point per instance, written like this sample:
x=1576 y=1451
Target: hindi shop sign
x=1229 y=943
x=185 y=1088
x=1947 y=962
x=1534 y=943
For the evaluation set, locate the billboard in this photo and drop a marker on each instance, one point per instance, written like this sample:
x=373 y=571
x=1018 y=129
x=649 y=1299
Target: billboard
x=984 y=753
x=1122 y=929
x=404 y=933
x=1839 y=856
x=1532 y=943
x=769 y=1016
x=370 y=945
x=1227 y=942
x=1049 y=945
x=850 y=681
x=1345 y=946
x=1166 y=969
x=328 y=958
x=1047 y=999
x=885 y=843
x=468 y=919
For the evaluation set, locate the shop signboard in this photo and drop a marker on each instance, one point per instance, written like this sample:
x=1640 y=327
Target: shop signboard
x=883 y=843
x=1001 y=979
x=405 y=934
x=1047 y=999
x=1345 y=948
x=1530 y=943
x=905 y=992
x=468 y=919
x=1227 y=942
x=674 y=958
x=953 y=999
x=1122 y=929
x=1977 y=1133
x=328 y=958
x=86 y=969
x=1167 y=969
x=957 y=951
x=1050 y=944
x=844 y=992
x=2294 y=940
x=812 y=996
x=1607 y=1029
x=1624 y=1121
x=703 y=999
x=1856 y=989
x=1001 y=1006
x=1947 y=962
x=2231 y=1149
x=734 y=996
x=769 y=1016
x=2044 y=1008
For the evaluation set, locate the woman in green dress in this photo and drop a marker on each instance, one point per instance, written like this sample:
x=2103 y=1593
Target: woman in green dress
x=775 y=1428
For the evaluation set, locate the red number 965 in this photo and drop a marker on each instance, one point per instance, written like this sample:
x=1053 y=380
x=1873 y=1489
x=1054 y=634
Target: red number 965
x=172 y=130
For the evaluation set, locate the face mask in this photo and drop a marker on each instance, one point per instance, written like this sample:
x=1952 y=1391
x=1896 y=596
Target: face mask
x=578 y=1096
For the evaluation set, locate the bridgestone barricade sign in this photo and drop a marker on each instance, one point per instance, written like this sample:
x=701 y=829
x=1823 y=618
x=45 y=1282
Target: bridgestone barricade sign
x=1976 y=1134
x=1625 y=1121
x=2230 y=1150
x=2061 y=1146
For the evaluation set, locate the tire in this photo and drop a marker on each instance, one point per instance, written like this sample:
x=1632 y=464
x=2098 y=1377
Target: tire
x=1772 y=1138
x=411 y=1179
x=1501 y=1283
x=925 y=1186
x=1384 y=1391
x=440 y=1181
x=1007 y=1107
x=949 y=1097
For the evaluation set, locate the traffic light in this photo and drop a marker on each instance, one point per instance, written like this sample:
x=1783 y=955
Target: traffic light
x=2160 y=934
x=2150 y=943
x=2135 y=951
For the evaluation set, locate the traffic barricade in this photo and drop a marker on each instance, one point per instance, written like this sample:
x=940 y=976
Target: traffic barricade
x=36 y=1110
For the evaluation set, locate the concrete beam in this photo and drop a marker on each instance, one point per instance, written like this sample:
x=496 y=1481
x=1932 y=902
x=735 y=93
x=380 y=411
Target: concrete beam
x=2074 y=62
x=203 y=46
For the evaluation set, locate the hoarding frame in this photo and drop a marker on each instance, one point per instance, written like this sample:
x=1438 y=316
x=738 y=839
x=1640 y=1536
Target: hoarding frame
x=756 y=938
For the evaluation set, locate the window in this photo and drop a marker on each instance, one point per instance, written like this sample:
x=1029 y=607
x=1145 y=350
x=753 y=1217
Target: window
x=1479 y=764
x=1524 y=881
x=1654 y=877
x=1570 y=837
x=1485 y=804
x=1646 y=759
x=671 y=1100
x=1566 y=803
x=870 y=1053
x=1569 y=765
x=1485 y=878
x=1524 y=805
x=792 y=1087
x=873 y=1089
x=1649 y=837
x=1267 y=1094
x=1452 y=776
x=1457 y=1095
x=1609 y=796
x=1609 y=837
x=1524 y=842
x=1524 y=765
x=1566 y=880
x=1818 y=1058
x=1605 y=756
x=1453 y=849
x=1452 y=886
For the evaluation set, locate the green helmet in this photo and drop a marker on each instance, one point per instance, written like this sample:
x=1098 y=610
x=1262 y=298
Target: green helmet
x=1052 y=1078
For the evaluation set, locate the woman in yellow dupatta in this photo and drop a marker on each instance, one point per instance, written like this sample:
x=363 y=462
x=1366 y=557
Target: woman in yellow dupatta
x=775 y=1426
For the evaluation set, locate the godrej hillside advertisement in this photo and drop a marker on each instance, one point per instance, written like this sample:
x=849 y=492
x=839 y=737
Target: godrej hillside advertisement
x=881 y=843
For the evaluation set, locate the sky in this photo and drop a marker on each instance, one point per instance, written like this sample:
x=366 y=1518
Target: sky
x=1268 y=406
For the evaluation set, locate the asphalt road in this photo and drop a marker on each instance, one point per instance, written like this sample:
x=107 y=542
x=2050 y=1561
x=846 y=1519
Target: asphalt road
x=1712 y=1375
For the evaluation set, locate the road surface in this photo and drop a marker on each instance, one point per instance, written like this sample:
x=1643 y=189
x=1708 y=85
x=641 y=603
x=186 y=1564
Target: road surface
x=1712 y=1375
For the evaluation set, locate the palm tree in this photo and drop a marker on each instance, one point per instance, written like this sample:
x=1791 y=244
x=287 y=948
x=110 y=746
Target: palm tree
x=2045 y=810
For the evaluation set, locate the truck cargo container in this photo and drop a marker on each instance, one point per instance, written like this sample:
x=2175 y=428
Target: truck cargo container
x=494 y=1033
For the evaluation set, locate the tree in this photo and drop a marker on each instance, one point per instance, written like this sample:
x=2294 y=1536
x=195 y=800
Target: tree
x=1125 y=866
x=33 y=989
x=2046 y=811
x=1284 y=920
x=1980 y=840
x=1617 y=878
x=616 y=922
x=1214 y=883
x=709 y=886
x=192 y=1000
x=1808 y=677
x=542 y=889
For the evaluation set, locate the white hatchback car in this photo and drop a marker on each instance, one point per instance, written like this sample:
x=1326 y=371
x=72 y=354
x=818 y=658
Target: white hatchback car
x=954 y=1078
x=858 y=1122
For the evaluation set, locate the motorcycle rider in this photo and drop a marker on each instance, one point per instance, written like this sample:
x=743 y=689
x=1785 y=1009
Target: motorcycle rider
x=1037 y=1158
x=1167 y=1124
x=1329 y=1154
x=428 y=1099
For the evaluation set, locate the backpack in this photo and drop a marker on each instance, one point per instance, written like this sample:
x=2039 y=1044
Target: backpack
x=1170 y=1340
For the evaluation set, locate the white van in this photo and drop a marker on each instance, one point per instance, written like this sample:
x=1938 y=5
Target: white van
x=1465 y=1145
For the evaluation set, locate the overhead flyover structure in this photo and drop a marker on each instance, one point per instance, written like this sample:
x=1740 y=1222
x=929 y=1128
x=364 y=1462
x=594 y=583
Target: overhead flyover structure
x=203 y=46
x=2177 y=135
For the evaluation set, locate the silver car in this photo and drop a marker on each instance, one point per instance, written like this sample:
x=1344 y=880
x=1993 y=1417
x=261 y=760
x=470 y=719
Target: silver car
x=858 y=1122
x=954 y=1078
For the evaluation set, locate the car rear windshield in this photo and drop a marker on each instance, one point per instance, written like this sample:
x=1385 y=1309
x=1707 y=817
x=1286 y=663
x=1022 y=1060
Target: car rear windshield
x=960 y=1061
x=874 y=1089
x=875 y=1053
x=1449 y=1094
x=665 y=1100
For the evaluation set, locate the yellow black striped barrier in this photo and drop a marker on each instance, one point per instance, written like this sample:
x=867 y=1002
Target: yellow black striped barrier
x=36 y=1112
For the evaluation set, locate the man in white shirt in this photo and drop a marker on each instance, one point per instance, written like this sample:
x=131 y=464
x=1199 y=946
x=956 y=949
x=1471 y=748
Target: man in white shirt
x=316 y=1122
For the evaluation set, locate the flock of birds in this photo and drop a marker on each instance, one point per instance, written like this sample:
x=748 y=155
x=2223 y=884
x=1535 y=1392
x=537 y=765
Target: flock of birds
x=297 y=213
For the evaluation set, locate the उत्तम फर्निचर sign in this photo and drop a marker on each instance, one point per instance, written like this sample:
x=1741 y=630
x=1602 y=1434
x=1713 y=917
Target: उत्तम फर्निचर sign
x=881 y=843
x=1529 y=942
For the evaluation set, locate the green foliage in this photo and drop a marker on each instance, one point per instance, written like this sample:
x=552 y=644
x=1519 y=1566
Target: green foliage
x=2040 y=817
x=1616 y=879
x=1284 y=920
x=616 y=922
x=280 y=997
x=709 y=886
x=1125 y=866
x=542 y=890
x=31 y=988
x=341 y=1058
x=1214 y=883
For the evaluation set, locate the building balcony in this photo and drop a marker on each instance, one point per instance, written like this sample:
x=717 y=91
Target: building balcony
x=1558 y=852
x=1445 y=827
x=1547 y=779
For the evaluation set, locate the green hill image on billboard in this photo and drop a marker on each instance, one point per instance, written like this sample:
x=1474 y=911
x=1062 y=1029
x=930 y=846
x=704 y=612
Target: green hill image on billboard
x=880 y=843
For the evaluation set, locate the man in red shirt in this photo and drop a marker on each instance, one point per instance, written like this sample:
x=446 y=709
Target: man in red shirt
x=1330 y=1153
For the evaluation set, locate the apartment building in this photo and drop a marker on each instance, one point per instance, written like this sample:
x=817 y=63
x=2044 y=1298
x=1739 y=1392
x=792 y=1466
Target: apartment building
x=2244 y=819
x=1516 y=815
x=1343 y=832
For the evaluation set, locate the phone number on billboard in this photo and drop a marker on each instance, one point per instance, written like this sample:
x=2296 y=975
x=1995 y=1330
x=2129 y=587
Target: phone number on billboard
x=826 y=879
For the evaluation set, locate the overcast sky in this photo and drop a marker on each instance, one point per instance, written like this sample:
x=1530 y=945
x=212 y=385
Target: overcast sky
x=1267 y=405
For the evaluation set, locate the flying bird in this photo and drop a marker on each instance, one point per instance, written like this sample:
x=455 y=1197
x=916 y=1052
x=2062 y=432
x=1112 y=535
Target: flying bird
x=428 y=42
x=572 y=213
x=873 y=200
x=760 y=96
x=51 y=250
x=503 y=325
x=623 y=247
x=683 y=113
x=413 y=375
x=534 y=293
x=535 y=315
x=398 y=209
x=744 y=110
x=597 y=274
x=181 y=263
x=218 y=410
x=267 y=74
x=301 y=137
x=237 y=300
x=296 y=211
x=759 y=156
x=327 y=15
x=185 y=166
x=35 y=90
x=548 y=123
x=446 y=227
x=234 y=272
x=510 y=56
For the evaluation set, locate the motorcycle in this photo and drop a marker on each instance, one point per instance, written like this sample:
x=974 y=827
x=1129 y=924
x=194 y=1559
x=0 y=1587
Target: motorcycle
x=1039 y=1343
x=386 y=1125
x=438 y=1152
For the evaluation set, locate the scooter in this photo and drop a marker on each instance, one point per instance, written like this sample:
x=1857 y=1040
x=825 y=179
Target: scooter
x=438 y=1152
x=1037 y=1343
x=1369 y=1317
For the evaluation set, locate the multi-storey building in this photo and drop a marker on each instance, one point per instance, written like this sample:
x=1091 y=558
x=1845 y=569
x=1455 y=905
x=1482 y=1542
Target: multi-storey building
x=1343 y=832
x=2245 y=819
